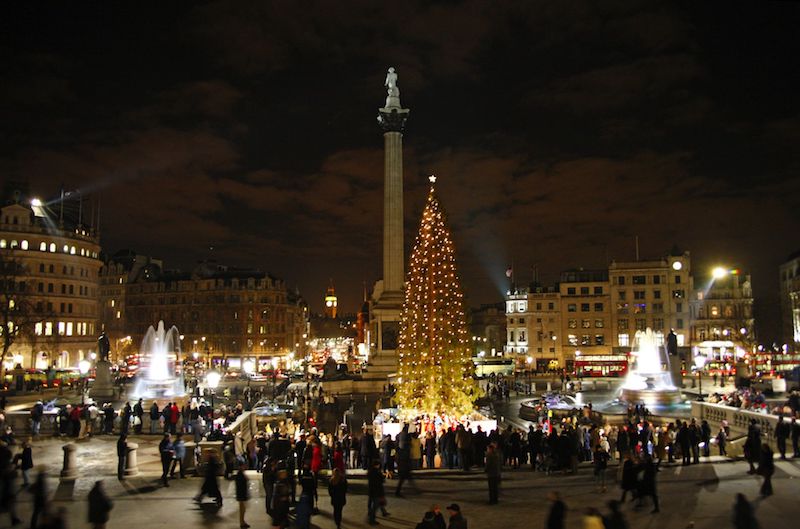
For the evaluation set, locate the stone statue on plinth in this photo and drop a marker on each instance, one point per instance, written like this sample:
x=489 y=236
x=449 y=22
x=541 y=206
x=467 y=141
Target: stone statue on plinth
x=392 y=90
x=102 y=387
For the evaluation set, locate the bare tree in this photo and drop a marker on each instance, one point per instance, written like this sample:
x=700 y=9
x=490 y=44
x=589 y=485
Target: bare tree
x=18 y=311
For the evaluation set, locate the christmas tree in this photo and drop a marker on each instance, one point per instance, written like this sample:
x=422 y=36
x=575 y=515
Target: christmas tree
x=435 y=368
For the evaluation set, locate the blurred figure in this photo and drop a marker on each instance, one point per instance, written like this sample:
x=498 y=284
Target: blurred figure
x=592 y=519
x=24 y=460
x=615 y=519
x=743 y=515
x=242 y=494
x=555 y=519
x=766 y=468
x=99 y=506
x=210 y=485
x=8 y=494
x=337 y=489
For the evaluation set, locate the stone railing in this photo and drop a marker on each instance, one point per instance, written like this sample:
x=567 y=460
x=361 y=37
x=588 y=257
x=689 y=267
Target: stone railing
x=738 y=419
x=246 y=425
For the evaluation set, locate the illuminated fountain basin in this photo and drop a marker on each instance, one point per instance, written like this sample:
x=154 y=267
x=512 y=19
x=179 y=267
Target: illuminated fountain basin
x=647 y=381
x=158 y=360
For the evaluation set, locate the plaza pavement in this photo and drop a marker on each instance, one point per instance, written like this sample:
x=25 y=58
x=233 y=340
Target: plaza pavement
x=699 y=495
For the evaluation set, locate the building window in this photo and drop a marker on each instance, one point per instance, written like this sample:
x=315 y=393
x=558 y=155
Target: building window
x=572 y=339
x=24 y=244
x=511 y=336
x=679 y=307
x=586 y=324
x=678 y=294
x=598 y=291
x=571 y=291
x=573 y=323
x=622 y=308
x=538 y=306
x=657 y=294
x=521 y=336
x=584 y=291
x=598 y=307
x=572 y=307
x=658 y=308
x=622 y=295
x=586 y=340
x=3 y=243
x=728 y=311
x=714 y=311
x=119 y=314
x=621 y=280
x=599 y=339
x=598 y=324
x=69 y=328
x=48 y=328
x=677 y=280
x=658 y=323
x=638 y=294
x=42 y=246
x=639 y=308
x=624 y=340
x=622 y=325
x=641 y=324
x=550 y=306
x=639 y=280
x=521 y=320
x=62 y=328
x=584 y=307
x=656 y=280
x=52 y=247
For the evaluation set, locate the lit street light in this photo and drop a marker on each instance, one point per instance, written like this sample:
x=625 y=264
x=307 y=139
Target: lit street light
x=212 y=380
x=719 y=272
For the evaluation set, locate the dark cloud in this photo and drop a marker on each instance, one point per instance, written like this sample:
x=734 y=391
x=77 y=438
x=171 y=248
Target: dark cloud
x=560 y=131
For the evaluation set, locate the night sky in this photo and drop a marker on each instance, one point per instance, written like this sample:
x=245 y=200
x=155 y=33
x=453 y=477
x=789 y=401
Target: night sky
x=245 y=131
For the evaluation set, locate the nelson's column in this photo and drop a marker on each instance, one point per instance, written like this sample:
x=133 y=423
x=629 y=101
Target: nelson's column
x=387 y=296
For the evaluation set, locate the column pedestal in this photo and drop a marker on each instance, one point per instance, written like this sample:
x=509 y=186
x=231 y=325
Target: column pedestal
x=131 y=461
x=69 y=470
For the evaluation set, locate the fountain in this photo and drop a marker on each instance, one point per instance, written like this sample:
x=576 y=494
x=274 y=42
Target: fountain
x=158 y=375
x=648 y=382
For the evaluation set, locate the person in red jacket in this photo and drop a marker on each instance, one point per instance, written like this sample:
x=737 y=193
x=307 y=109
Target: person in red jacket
x=174 y=414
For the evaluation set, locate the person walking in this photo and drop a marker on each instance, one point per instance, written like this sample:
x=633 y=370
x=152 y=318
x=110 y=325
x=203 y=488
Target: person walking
x=337 y=490
x=705 y=437
x=280 y=500
x=722 y=441
x=376 y=497
x=138 y=415
x=179 y=453
x=39 y=492
x=37 y=412
x=782 y=432
x=8 y=489
x=600 y=463
x=122 y=455
x=558 y=511
x=647 y=486
x=766 y=468
x=154 y=417
x=24 y=460
x=743 y=515
x=242 y=493
x=628 y=481
x=752 y=445
x=493 y=468
x=166 y=451
x=795 y=437
x=615 y=519
x=210 y=485
x=457 y=520
x=99 y=506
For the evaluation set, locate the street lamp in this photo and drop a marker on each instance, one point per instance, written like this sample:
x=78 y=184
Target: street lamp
x=719 y=272
x=83 y=367
x=700 y=362
x=212 y=379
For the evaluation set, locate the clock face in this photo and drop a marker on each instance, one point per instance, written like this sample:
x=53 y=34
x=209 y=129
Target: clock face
x=329 y=303
x=677 y=265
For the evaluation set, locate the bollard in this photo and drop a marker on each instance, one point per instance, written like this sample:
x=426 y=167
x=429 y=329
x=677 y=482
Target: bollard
x=533 y=387
x=188 y=463
x=549 y=386
x=70 y=469
x=131 y=463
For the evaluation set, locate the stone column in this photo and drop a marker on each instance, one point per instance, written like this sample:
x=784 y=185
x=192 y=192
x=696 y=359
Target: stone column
x=131 y=462
x=69 y=470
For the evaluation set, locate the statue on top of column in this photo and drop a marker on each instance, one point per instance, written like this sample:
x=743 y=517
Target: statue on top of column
x=392 y=90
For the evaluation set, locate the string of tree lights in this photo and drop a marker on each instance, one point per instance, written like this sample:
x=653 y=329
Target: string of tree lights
x=435 y=368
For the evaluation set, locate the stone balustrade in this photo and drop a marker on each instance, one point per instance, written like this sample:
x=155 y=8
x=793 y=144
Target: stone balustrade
x=737 y=418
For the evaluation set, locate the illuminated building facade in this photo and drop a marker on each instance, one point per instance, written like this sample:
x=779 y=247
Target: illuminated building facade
x=790 y=301
x=59 y=258
x=722 y=324
x=226 y=316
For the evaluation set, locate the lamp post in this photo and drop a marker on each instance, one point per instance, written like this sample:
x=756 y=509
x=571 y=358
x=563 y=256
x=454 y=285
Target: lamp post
x=700 y=362
x=83 y=367
x=212 y=379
